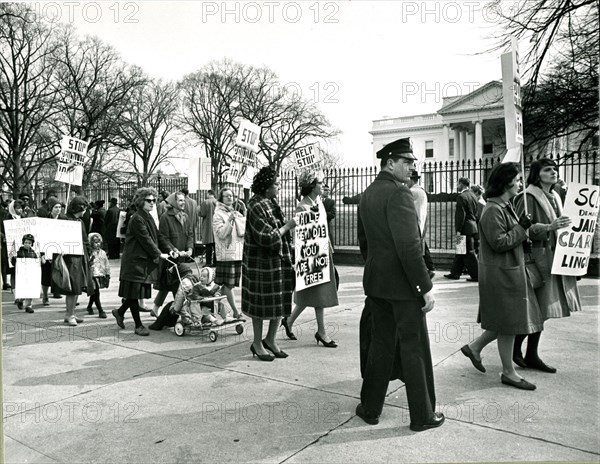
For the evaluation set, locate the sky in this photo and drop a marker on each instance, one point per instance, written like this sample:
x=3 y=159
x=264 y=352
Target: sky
x=359 y=60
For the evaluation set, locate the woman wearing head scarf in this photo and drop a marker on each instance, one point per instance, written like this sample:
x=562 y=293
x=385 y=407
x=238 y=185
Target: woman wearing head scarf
x=323 y=295
x=267 y=264
x=77 y=265
x=54 y=208
x=229 y=227
x=144 y=246
x=176 y=227
x=559 y=295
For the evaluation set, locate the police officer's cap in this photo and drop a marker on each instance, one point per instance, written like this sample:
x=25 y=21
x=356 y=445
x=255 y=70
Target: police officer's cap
x=400 y=148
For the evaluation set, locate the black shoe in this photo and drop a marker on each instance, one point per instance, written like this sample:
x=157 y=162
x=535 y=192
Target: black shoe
x=278 y=354
x=101 y=314
x=120 y=319
x=90 y=310
x=522 y=384
x=19 y=304
x=539 y=365
x=262 y=357
x=29 y=309
x=360 y=412
x=288 y=332
x=451 y=276
x=155 y=326
x=330 y=344
x=470 y=279
x=437 y=420
x=57 y=295
x=466 y=350
x=519 y=361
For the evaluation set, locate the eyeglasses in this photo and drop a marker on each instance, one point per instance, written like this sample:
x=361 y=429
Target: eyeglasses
x=150 y=200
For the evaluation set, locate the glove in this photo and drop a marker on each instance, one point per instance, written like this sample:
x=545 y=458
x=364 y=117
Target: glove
x=525 y=221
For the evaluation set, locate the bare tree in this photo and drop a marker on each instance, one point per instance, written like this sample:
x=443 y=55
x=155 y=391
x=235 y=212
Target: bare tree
x=28 y=101
x=148 y=127
x=97 y=91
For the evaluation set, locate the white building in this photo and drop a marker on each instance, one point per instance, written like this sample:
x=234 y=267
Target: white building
x=466 y=127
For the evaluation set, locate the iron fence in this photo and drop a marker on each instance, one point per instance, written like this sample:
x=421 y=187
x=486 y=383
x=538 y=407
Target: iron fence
x=347 y=184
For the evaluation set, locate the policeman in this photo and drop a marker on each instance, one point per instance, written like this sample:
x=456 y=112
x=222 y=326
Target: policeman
x=398 y=290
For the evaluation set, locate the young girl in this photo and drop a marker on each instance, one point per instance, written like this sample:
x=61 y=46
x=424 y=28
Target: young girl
x=100 y=269
x=26 y=251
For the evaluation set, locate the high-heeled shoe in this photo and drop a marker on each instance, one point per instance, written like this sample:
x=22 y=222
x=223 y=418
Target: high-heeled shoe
x=330 y=344
x=288 y=332
x=262 y=357
x=277 y=354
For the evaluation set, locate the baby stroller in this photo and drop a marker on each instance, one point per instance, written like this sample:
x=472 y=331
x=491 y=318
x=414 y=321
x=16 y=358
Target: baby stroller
x=203 y=310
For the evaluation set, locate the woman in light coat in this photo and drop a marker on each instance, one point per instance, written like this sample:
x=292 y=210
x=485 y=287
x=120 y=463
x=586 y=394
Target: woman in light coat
x=559 y=295
x=507 y=303
x=229 y=227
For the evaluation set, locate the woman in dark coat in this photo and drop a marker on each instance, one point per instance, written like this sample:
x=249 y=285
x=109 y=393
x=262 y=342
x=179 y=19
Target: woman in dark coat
x=54 y=208
x=267 y=264
x=77 y=265
x=507 y=303
x=111 y=220
x=176 y=227
x=559 y=294
x=144 y=246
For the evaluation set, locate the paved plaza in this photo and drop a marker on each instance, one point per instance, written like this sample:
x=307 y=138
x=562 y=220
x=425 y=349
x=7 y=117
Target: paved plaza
x=95 y=393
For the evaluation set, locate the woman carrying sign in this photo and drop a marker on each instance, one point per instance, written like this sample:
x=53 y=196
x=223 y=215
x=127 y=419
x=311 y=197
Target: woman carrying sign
x=267 y=264
x=559 y=294
x=229 y=227
x=319 y=296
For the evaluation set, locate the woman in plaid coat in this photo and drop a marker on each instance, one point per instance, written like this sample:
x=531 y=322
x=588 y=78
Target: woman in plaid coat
x=267 y=264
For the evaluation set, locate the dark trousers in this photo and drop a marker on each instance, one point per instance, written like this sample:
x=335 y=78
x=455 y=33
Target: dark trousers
x=209 y=254
x=114 y=248
x=399 y=325
x=469 y=260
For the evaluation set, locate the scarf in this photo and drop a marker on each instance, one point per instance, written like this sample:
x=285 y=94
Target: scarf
x=11 y=210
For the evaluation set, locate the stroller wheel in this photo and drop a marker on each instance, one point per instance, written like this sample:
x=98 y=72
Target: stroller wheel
x=179 y=329
x=239 y=329
x=212 y=336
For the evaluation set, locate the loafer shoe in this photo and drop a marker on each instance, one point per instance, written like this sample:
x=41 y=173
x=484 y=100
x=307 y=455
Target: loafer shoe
x=522 y=384
x=28 y=309
x=437 y=420
x=540 y=366
x=371 y=420
x=143 y=331
x=519 y=361
x=469 y=279
x=469 y=354
x=451 y=276
x=75 y=318
x=71 y=321
x=120 y=319
x=101 y=314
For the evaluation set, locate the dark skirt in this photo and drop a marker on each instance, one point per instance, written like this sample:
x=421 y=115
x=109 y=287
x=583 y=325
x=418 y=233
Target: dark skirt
x=134 y=290
x=228 y=273
x=77 y=275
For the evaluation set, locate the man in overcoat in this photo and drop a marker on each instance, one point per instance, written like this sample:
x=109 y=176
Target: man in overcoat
x=398 y=290
x=465 y=218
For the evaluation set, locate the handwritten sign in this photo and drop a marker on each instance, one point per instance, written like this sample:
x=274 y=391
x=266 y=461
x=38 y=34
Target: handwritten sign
x=51 y=235
x=248 y=136
x=511 y=99
x=122 y=216
x=28 y=275
x=308 y=157
x=311 y=238
x=574 y=243
x=72 y=158
x=241 y=167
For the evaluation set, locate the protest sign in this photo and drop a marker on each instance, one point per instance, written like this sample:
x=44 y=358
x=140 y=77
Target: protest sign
x=308 y=157
x=574 y=243
x=28 y=276
x=71 y=160
x=51 y=235
x=241 y=167
x=199 y=177
x=248 y=135
x=311 y=238
x=511 y=99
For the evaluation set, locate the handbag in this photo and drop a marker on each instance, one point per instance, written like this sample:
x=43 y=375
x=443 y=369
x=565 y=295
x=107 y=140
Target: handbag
x=533 y=273
x=60 y=274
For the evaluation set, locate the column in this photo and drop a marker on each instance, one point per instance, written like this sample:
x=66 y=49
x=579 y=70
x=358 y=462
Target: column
x=470 y=146
x=445 y=142
x=456 y=131
x=463 y=144
x=478 y=140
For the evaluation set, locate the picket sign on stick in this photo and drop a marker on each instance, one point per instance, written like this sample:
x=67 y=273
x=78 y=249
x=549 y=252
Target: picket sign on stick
x=28 y=276
x=574 y=243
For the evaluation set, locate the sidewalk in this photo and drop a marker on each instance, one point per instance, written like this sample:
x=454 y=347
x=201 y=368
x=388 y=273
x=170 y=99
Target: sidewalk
x=95 y=393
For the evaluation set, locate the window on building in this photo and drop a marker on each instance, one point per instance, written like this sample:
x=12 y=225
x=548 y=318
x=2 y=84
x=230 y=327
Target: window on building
x=488 y=149
x=429 y=149
x=451 y=148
